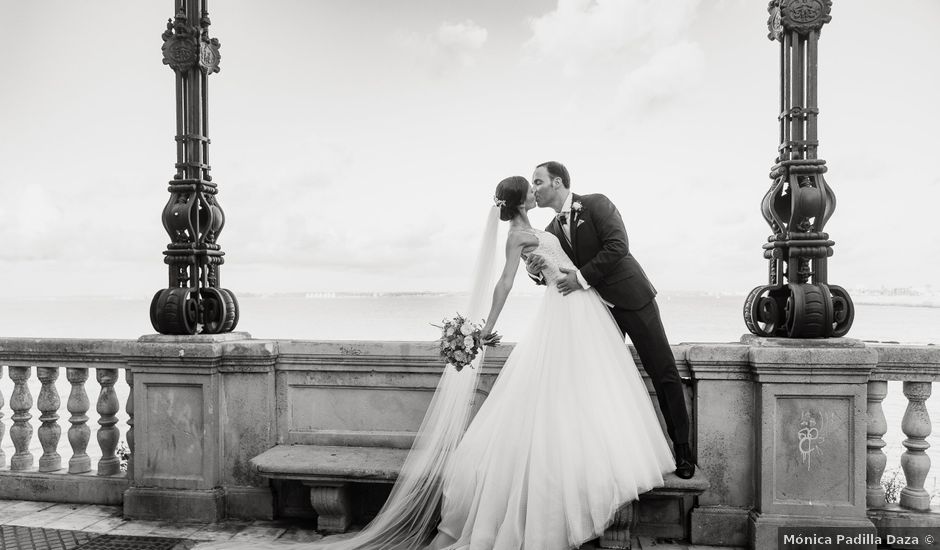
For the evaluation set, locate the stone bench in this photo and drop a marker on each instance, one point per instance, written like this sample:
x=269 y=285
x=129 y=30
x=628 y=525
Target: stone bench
x=328 y=471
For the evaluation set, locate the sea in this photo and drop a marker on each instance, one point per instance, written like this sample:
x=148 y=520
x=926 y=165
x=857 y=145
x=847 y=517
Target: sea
x=689 y=317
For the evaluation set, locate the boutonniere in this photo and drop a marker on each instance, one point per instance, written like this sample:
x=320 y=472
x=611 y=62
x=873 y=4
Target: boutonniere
x=576 y=206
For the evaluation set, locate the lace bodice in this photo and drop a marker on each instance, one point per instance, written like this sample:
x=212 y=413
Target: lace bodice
x=555 y=258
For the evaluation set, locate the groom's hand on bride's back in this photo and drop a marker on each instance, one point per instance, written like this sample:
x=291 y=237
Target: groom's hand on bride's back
x=569 y=283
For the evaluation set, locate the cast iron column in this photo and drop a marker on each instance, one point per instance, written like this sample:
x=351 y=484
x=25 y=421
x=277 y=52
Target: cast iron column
x=194 y=301
x=799 y=302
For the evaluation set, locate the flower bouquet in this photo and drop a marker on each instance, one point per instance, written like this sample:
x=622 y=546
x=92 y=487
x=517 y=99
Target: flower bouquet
x=461 y=341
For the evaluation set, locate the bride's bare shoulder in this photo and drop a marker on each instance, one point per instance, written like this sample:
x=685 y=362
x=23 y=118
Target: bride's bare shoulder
x=522 y=237
x=521 y=242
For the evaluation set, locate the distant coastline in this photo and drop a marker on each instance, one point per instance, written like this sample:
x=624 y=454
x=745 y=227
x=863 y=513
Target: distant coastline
x=901 y=297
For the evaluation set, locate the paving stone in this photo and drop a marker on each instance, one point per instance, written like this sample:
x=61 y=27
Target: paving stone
x=65 y=508
x=260 y=531
x=37 y=519
x=139 y=528
x=28 y=506
x=181 y=530
x=7 y=517
x=101 y=511
x=294 y=534
x=105 y=525
x=74 y=522
x=220 y=531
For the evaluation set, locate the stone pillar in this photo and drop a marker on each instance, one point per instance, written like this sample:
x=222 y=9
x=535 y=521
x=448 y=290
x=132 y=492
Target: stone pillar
x=915 y=461
x=726 y=434
x=183 y=424
x=877 y=428
x=811 y=414
x=249 y=426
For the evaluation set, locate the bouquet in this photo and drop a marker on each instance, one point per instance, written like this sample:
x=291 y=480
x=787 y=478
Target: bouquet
x=461 y=341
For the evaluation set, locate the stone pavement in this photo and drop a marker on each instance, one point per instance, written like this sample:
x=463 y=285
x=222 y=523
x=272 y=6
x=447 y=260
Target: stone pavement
x=30 y=525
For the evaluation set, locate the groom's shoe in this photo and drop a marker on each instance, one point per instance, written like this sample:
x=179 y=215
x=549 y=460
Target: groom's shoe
x=685 y=466
x=685 y=469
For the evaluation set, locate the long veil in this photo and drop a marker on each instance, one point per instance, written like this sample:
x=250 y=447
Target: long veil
x=410 y=514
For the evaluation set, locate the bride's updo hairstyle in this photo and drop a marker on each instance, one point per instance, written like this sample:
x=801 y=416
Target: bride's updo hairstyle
x=510 y=195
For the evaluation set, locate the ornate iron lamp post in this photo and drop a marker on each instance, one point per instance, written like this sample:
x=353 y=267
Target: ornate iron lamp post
x=192 y=217
x=799 y=302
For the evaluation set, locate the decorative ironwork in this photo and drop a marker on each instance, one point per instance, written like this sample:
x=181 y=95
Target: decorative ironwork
x=194 y=301
x=799 y=302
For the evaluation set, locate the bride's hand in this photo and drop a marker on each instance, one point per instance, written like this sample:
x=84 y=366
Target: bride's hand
x=490 y=338
x=534 y=264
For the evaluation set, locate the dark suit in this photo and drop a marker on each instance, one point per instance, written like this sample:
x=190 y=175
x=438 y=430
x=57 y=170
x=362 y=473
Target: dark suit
x=601 y=251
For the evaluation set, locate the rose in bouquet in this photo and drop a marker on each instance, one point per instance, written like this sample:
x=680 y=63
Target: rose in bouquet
x=461 y=341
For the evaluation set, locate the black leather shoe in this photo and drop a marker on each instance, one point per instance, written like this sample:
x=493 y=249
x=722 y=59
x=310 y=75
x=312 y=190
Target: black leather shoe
x=685 y=469
x=685 y=466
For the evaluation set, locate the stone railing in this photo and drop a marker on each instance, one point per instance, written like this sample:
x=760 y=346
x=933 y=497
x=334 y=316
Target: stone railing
x=917 y=367
x=790 y=434
x=205 y=406
x=39 y=415
x=785 y=431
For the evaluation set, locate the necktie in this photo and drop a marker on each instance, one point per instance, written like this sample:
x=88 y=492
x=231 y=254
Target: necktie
x=563 y=221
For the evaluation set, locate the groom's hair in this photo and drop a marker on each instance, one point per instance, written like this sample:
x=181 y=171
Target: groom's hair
x=557 y=170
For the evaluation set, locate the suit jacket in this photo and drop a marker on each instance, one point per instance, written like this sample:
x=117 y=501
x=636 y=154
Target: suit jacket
x=601 y=251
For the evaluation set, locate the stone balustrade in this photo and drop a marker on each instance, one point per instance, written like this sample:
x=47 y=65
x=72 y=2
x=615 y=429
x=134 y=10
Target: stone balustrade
x=201 y=407
x=48 y=476
x=916 y=367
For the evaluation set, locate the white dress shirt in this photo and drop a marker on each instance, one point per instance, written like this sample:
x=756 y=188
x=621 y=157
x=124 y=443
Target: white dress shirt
x=567 y=227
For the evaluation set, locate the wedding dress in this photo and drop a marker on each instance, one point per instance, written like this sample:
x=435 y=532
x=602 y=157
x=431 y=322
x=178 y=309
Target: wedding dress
x=567 y=435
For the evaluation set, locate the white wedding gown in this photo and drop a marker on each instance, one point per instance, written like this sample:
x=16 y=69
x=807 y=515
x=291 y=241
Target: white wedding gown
x=567 y=435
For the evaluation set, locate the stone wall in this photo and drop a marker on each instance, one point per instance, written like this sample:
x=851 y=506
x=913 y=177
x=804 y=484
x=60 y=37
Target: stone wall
x=779 y=425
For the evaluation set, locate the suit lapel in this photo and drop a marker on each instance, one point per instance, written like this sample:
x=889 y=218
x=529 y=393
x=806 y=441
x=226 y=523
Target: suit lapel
x=559 y=232
x=573 y=230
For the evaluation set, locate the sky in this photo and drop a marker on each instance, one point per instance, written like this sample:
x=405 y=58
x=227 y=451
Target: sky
x=357 y=143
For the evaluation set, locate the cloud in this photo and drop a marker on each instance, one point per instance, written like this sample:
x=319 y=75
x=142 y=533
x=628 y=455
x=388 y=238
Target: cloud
x=582 y=33
x=452 y=46
x=669 y=73
x=623 y=58
x=459 y=38
x=47 y=220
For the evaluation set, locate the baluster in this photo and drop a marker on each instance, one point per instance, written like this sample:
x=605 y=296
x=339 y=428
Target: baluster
x=21 y=432
x=3 y=456
x=49 y=432
x=914 y=461
x=108 y=406
x=129 y=377
x=877 y=427
x=79 y=433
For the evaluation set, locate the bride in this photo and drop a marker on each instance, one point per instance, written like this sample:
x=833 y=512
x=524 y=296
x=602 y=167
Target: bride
x=567 y=435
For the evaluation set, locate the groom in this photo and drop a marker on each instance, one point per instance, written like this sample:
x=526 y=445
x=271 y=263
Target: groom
x=591 y=232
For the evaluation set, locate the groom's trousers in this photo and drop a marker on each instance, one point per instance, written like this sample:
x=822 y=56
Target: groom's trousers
x=645 y=329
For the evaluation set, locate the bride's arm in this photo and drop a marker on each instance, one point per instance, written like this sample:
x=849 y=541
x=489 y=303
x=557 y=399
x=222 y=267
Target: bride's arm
x=514 y=247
